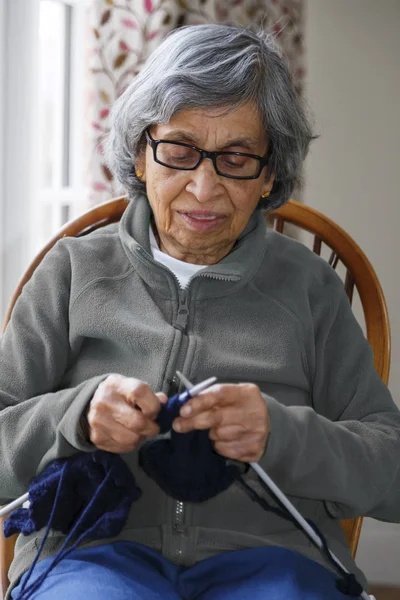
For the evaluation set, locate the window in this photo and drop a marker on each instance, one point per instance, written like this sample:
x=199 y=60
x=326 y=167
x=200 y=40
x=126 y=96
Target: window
x=62 y=91
x=43 y=112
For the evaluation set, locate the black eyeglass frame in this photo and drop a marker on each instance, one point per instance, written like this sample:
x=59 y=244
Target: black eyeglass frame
x=262 y=160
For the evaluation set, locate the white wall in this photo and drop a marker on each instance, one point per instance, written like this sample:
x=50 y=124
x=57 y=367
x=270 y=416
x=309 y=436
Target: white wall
x=352 y=174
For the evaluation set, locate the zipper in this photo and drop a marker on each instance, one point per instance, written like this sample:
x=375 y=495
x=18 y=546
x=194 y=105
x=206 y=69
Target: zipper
x=217 y=277
x=180 y=324
x=179 y=530
x=139 y=250
x=183 y=313
x=179 y=516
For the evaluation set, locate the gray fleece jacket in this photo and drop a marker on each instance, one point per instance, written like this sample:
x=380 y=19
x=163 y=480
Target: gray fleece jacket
x=271 y=313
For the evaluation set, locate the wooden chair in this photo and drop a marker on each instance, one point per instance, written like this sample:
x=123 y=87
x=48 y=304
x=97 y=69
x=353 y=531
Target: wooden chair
x=342 y=248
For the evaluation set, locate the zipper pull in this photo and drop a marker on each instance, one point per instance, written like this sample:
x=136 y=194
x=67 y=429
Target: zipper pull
x=183 y=312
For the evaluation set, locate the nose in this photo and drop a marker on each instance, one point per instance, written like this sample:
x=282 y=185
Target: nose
x=204 y=181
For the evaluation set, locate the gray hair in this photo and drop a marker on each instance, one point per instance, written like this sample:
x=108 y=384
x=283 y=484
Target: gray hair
x=212 y=66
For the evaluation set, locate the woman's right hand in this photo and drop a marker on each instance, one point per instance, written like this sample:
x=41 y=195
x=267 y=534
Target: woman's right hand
x=122 y=414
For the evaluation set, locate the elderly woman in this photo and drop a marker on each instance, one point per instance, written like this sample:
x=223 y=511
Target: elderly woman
x=209 y=133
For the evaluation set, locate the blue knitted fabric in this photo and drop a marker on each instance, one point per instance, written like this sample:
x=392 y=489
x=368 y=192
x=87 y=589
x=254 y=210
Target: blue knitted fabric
x=82 y=476
x=90 y=495
x=185 y=466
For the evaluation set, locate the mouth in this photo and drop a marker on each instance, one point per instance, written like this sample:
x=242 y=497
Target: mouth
x=202 y=220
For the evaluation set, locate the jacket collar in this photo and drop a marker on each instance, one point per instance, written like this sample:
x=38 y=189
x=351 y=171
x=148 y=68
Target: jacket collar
x=238 y=267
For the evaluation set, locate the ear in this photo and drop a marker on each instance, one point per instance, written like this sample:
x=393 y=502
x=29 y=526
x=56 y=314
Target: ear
x=140 y=166
x=267 y=187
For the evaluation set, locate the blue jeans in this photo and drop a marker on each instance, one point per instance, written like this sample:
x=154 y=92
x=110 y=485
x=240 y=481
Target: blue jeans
x=126 y=570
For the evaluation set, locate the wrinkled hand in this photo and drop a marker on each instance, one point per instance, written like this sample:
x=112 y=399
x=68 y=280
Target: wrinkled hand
x=236 y=415
x=122 y=414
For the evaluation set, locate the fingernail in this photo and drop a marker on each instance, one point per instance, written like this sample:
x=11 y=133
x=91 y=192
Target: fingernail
x=177 y=426
x=185 y=411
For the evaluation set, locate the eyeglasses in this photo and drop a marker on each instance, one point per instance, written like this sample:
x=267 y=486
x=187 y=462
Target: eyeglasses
x=183 y=157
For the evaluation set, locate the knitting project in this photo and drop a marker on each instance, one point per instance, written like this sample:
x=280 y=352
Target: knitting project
x=90 y=494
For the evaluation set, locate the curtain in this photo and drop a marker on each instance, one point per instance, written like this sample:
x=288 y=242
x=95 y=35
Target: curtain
x=122 y=34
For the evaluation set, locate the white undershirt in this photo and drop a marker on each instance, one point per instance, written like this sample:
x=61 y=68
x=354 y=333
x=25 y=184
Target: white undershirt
x=182 y=270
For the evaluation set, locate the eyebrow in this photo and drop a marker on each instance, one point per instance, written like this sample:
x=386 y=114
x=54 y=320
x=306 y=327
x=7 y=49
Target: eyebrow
x=183 y=136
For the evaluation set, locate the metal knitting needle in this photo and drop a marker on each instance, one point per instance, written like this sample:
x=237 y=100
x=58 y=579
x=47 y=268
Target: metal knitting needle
x=190 y=393
x=187 y=394
x=14 y=504
x=196 y=389
x=285 y=501
x=184 y=380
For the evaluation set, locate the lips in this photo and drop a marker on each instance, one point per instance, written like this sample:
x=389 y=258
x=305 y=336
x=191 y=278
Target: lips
x=202 y=214
x=202 y=217
x=202 y=220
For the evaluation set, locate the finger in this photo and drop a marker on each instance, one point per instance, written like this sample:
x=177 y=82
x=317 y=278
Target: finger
x=217 y=395
x=239 y=451
x=228 y=433
x=204 y=420
x=141 y=424
x=140 y=394
x=151 y=429
x=236 y=422
x=117 y=439
x=107 y=416
x=221 y=416
x=253 y=442
x=163 y=398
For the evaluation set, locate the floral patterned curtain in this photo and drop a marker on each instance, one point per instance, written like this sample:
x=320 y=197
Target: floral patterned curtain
x=124 y=32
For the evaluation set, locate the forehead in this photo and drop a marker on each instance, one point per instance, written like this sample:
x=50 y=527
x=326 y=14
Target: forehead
x=214 y=125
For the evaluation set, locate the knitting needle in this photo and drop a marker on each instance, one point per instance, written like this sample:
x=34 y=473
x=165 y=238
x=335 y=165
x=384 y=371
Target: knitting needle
x=295 y=513
x=193 y=391
x=196 y=389
x=184 y=380
x=14 y=504
x=285 y=501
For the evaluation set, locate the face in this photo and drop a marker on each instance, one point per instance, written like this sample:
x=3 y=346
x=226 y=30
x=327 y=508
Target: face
x=198 y=214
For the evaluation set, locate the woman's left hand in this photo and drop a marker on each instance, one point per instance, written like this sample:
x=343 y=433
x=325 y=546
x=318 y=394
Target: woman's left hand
x=236 y=415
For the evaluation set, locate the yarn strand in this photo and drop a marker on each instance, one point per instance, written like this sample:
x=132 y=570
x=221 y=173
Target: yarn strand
x=348 y=584
x=46 y=534
x=26 y=593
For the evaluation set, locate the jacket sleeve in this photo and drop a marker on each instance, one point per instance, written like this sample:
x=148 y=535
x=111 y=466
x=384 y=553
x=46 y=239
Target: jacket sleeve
x=345 y=449
x=38 y=421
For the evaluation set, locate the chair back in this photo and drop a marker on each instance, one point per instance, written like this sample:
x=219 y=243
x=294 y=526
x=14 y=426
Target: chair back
x=359 y=274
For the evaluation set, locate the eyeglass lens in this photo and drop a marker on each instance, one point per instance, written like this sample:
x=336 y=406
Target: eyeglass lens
x=182 y=157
